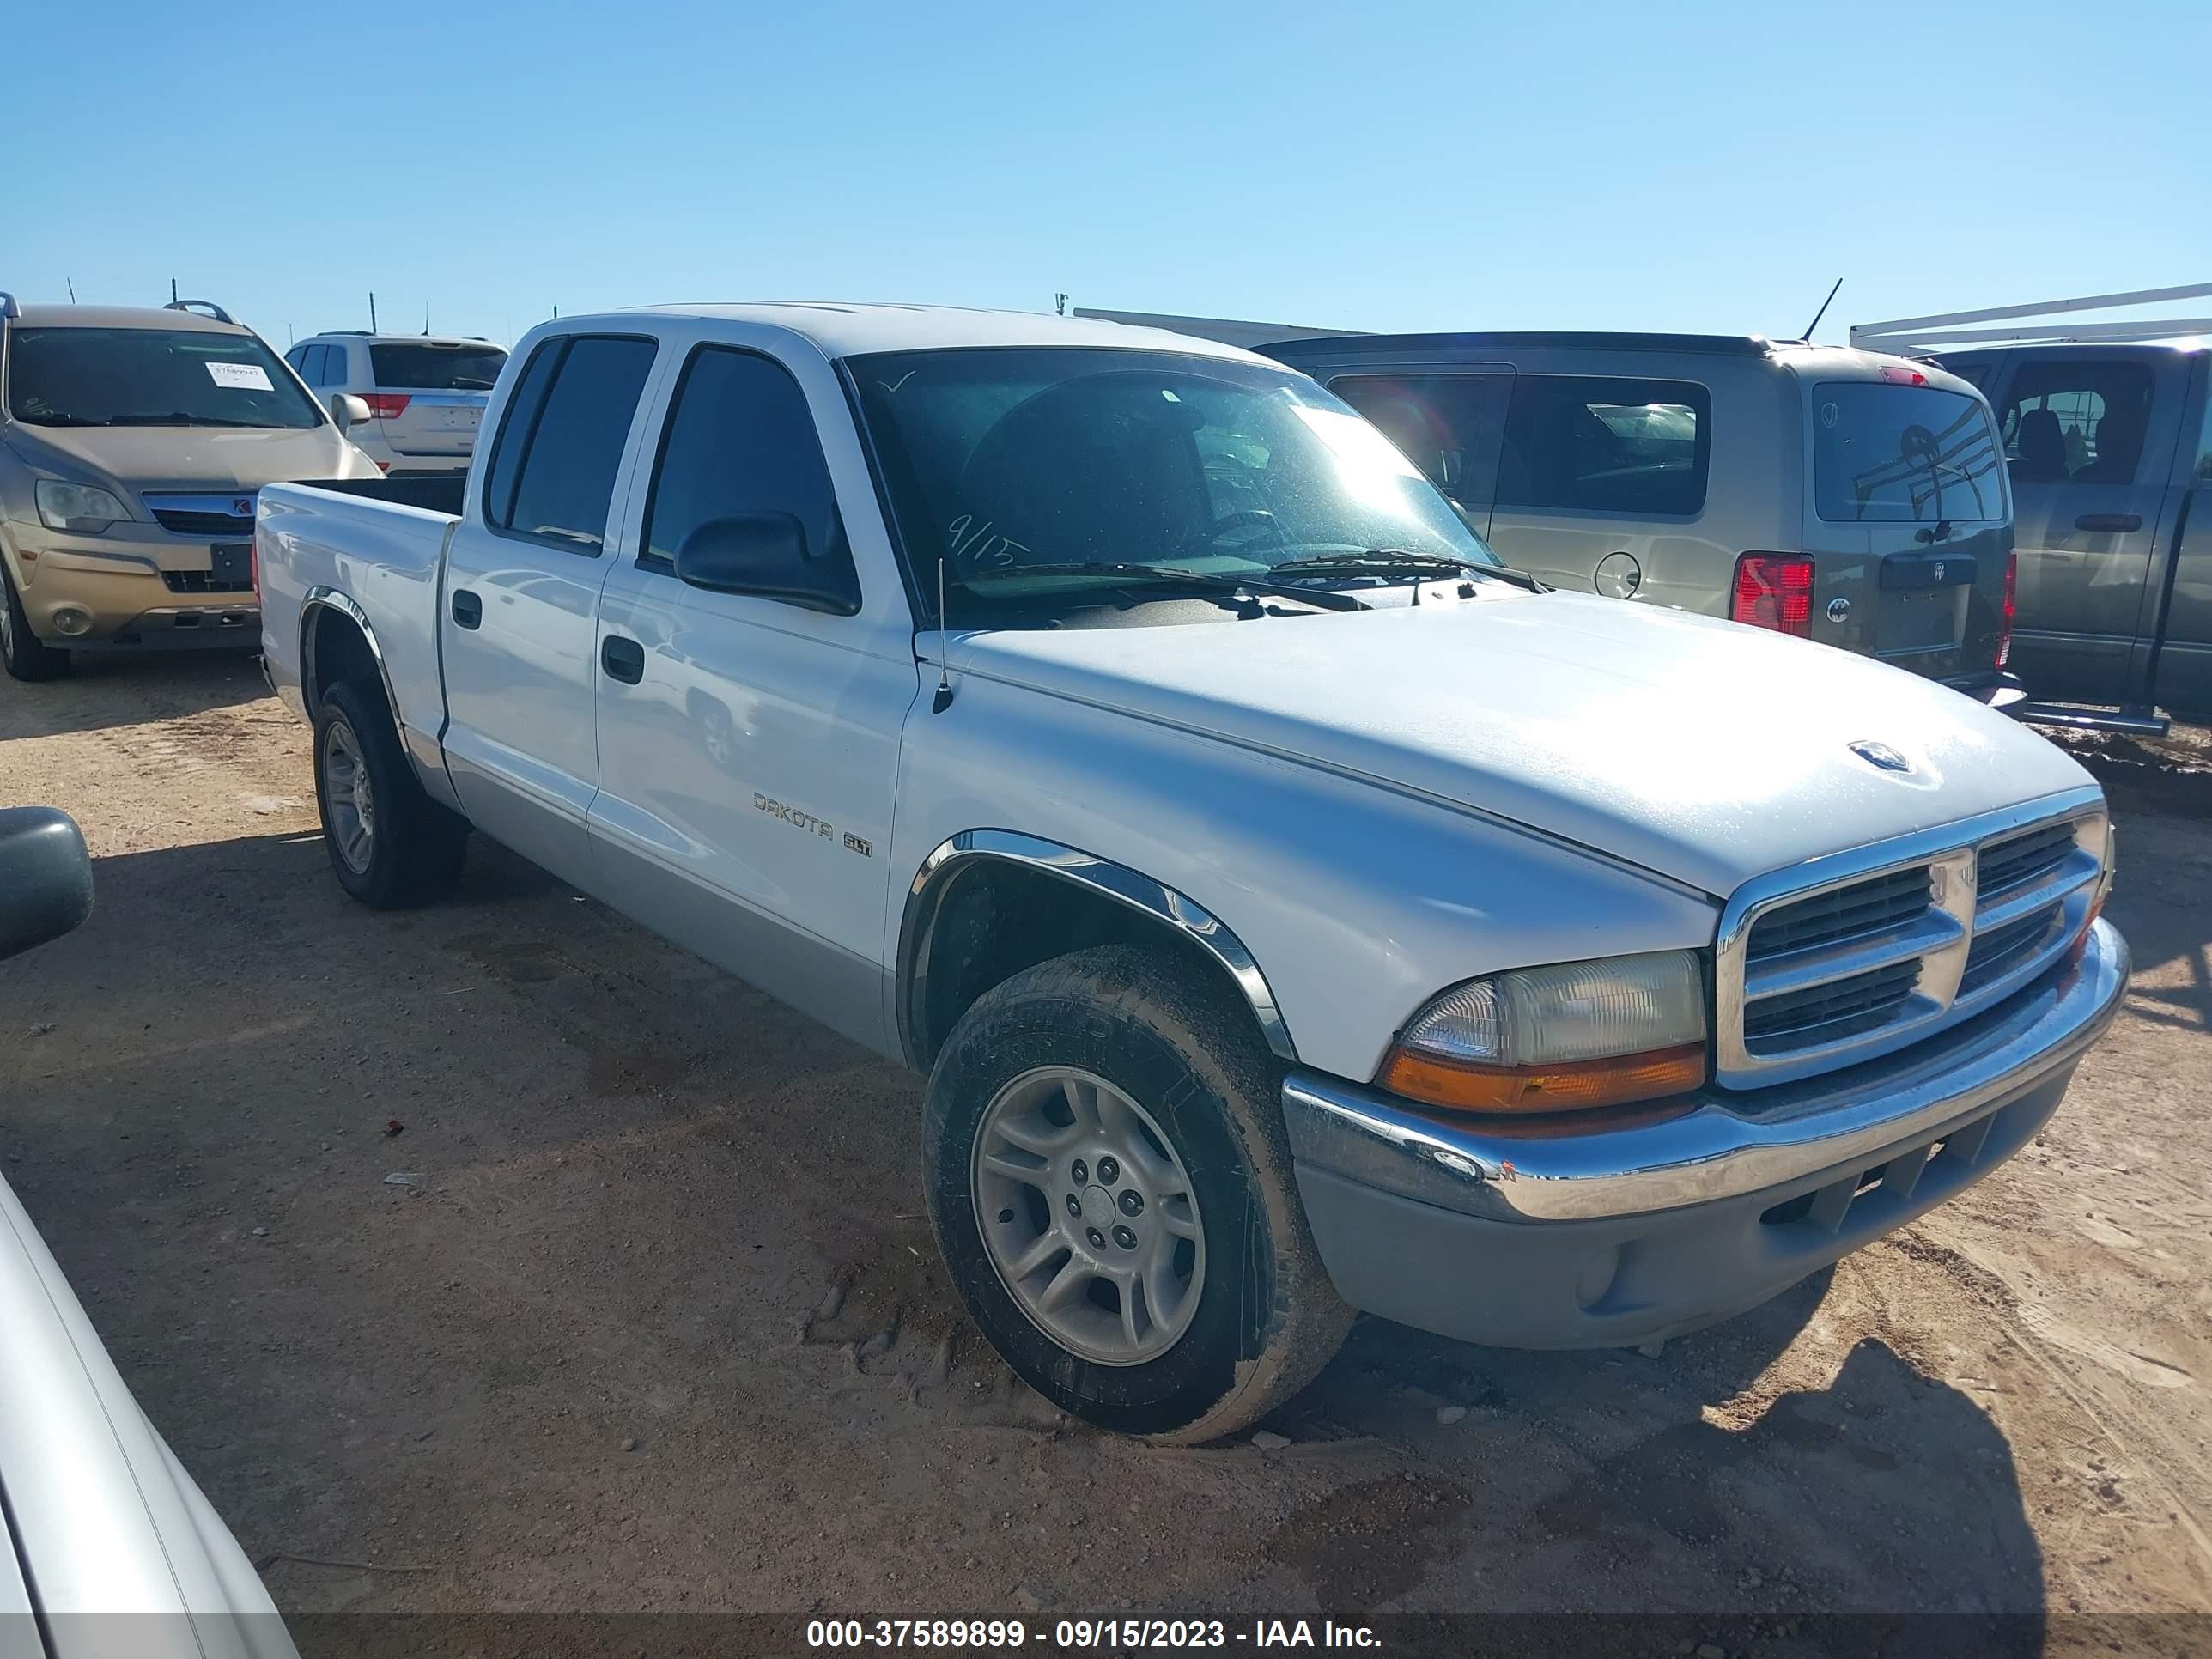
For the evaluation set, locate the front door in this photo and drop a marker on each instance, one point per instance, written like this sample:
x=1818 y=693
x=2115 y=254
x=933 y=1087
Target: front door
x=2089 y=439
x=522 y=593
x=748 y=745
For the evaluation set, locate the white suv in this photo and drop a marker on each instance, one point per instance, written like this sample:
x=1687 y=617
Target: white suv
x=424 y=395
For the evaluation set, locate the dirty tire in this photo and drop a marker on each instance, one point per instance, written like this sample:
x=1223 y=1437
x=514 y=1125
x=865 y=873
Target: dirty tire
x=23 y=654
x=1267 y=1318
x=417 y=847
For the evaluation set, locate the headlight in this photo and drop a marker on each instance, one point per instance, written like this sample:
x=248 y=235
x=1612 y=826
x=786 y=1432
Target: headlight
x=85 y=507
x=1557 y=1039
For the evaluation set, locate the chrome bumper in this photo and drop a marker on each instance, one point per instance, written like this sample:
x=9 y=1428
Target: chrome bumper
x=1730 y=1143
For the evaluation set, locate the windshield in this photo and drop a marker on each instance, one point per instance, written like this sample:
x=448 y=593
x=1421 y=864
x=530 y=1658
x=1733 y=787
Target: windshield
x=1883 y=452
x=1000 y=459
x=423 y=367
x=150 y=377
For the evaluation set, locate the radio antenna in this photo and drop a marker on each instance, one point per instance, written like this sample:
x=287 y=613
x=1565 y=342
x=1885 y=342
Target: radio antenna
x=1807 y=336
x=943 y=700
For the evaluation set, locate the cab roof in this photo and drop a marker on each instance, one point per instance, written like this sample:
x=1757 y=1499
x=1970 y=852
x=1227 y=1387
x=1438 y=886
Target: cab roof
x=840 y=329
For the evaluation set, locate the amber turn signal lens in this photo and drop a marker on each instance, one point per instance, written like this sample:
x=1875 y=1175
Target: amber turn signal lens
x=1567 y=1087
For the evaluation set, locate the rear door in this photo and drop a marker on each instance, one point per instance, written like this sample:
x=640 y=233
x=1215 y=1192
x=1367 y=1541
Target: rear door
x=431 y=394
x=1448 y=422
x=522 y=592
x=1908 y=527
x=2089 y=436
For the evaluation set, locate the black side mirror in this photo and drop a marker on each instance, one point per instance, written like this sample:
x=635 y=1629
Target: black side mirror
x=45 y=876
x=765 y=554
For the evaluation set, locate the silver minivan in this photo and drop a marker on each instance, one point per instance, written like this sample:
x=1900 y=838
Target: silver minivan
x=1844 y=496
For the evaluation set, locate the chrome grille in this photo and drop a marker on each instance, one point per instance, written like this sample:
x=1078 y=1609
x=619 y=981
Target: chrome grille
x=1861 y=954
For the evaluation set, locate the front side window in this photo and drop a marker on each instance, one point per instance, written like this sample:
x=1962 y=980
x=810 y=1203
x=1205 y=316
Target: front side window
x=1600 y=444
x=561 y=442
x=1450 y=426
x=740 y=442
x=422 y=365
x=1887 y=452
x=2077 y=421
x=1002 y=460
x=66 y=376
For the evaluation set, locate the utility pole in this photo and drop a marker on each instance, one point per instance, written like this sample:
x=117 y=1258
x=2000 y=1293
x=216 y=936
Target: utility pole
x=372 y=310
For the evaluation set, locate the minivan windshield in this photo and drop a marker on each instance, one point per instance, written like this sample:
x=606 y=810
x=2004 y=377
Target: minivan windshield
x=422 y=365
x=1008 y=460
x=77 y=376
x=1884 y=451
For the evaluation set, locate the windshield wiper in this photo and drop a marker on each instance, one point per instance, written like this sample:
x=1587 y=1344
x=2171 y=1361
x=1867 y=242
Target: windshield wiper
x=1167 y=575
x=1375 y=560
x=178 y=417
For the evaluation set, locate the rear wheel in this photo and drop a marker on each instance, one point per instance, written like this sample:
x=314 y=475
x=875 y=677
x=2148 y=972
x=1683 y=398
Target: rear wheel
x=389 y=844
x=1109 y=1184
x=21 y=653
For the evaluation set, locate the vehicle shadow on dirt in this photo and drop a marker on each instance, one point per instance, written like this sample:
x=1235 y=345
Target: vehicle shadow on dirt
x=102 y=690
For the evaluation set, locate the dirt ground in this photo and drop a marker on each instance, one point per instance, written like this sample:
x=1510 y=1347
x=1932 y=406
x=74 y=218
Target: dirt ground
x=655 y=1321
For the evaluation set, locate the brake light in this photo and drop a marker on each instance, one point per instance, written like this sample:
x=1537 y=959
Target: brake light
x=1774 y=590
x=386 y=405
x=1897 y=376
x=2004 y=617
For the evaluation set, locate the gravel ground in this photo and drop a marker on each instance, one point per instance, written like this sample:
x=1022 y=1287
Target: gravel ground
x=654 y=1322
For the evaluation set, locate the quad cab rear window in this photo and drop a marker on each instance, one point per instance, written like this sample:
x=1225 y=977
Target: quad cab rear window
x=78 y=376
x=1883 y=453
x=423 y=366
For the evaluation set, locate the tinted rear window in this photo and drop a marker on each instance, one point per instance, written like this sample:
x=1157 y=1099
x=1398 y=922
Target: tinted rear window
x=150 y=377
x=428 y=368
x=1636 y=449
x=1885 y=453
x=572 y=440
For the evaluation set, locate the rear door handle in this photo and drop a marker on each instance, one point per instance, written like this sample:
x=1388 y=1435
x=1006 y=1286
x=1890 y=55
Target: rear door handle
x=468 y=609
x=2118 y=523
x=624 y=658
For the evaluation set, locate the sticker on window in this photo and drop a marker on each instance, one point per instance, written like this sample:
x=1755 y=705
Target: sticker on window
x=241 y=377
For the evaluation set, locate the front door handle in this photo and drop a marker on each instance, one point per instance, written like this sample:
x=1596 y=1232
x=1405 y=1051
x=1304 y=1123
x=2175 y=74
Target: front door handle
x=468 y=609
x=2115 y=523
x=624 y=658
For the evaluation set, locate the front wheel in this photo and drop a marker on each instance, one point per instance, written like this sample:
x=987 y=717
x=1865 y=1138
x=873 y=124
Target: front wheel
x=1108 y=1181
x=389 y=844
x=24 y=655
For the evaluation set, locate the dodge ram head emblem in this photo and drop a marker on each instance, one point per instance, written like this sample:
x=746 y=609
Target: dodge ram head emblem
x=1881 y=755
x=242 y=506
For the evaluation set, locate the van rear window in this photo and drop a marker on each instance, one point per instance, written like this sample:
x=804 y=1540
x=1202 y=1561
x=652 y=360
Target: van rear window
x=1889 y=453
x=426 y=368
x=1601 y=443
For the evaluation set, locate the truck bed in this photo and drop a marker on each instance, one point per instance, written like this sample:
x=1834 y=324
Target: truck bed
x=381 y=543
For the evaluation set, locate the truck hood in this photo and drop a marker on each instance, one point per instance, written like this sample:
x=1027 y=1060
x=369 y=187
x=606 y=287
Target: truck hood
x=1701 y=750
x=185 y=458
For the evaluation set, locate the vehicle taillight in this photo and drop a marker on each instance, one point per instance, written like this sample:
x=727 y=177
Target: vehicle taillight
x=386 y=405
x=1774 y=590
x=1900 y=376
x=2004 y=618
x=254 y=564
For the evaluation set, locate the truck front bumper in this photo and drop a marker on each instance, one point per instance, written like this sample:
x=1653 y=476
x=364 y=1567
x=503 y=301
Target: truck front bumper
x=1619 y=1236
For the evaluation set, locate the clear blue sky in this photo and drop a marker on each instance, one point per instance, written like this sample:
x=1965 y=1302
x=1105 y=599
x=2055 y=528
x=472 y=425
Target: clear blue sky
x=1387 y=166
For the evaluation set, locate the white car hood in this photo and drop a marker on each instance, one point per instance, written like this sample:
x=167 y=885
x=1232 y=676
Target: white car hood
x=1702 y=749
x=120 y=1551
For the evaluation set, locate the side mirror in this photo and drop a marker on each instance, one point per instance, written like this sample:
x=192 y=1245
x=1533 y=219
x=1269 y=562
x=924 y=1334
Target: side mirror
x=348 y=411
x=765 y=554
x=45 y=876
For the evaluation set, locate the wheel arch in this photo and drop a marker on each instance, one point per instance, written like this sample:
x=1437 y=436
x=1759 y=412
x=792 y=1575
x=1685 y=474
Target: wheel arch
x=951 y=948
x=337 y=640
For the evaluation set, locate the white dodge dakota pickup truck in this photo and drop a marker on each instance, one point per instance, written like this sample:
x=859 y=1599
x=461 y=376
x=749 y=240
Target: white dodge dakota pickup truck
x=1293 y=910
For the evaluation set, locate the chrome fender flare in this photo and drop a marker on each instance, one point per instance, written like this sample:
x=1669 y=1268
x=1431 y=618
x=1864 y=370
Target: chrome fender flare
x=321 y=597
x=941 y=871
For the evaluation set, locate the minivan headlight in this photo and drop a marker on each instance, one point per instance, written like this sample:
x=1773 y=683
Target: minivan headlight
x=1557 y=1039
x=82 y=507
